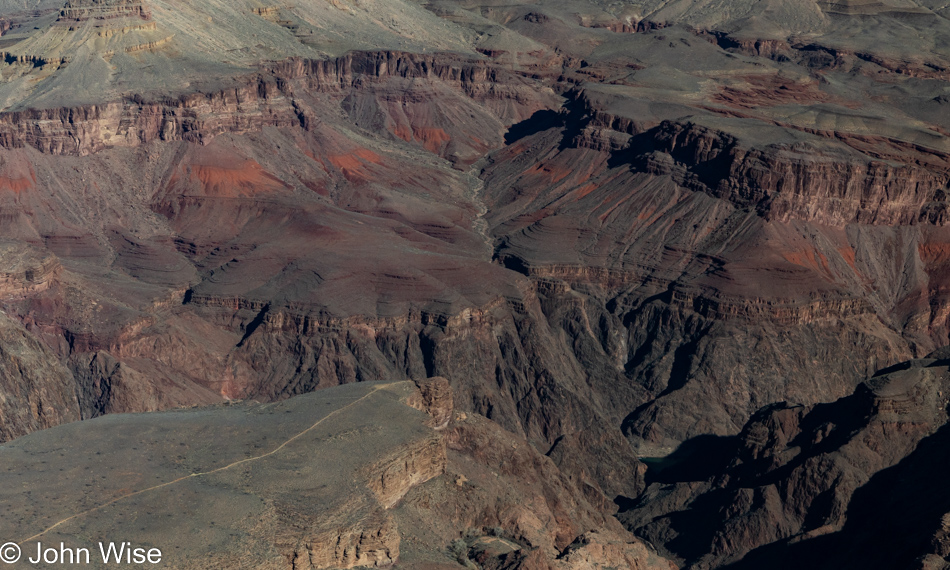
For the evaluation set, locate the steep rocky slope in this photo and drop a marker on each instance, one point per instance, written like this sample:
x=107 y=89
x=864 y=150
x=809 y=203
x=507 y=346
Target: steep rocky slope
x=278 y=486
x=613 y=228
x=694 y=243
x=247 y=244
x=849 y=484
x=38 y=390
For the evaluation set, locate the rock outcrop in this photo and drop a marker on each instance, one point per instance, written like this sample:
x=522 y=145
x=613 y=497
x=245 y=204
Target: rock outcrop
x=799 y=476
x=38 y=391
x=83 y=10
x=801 y=181
x=261 y=101
x=280 y=486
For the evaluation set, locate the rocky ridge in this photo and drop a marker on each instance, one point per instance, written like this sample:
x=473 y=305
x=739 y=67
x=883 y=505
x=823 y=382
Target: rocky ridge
x=286 y=491
x=82 y=10
x=797 y=479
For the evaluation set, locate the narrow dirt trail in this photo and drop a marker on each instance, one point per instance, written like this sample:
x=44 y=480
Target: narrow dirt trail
x=211 y=472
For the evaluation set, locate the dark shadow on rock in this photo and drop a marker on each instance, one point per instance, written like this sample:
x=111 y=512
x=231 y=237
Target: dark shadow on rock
x=696 y=459
x=895 y=368
x=635 y=154
x=539 y=122
x=682 y=363
x=576 y=117
x=697 y=527
x=891 y=520
x=254 y=324
x=840 y=421
x=514 y=263
x=691 y=531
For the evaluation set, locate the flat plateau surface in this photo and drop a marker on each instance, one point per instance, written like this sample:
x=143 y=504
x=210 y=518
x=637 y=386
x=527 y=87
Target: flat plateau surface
x=206 y=485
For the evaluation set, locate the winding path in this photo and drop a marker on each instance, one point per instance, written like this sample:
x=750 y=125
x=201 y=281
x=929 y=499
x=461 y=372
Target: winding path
x=211 y=472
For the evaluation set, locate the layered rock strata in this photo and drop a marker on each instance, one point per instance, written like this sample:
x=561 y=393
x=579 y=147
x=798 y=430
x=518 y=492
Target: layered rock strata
x=605 y=256
x=83 y=10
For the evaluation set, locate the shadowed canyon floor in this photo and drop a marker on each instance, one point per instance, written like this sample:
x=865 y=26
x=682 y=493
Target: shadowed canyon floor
x=616 y=229
x=856 y=483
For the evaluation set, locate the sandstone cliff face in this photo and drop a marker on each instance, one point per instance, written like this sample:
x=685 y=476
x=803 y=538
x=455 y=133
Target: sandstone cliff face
x=435 y=397
x=84 y=130
x=393 y=477
x=26 y=271
x=798 y=182
x=832 y=178
x=82 y=10
x=265 y=100
x=372 y=541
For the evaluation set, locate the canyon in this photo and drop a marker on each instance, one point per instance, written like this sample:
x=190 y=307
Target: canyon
x=277 y=486
x=620 y=232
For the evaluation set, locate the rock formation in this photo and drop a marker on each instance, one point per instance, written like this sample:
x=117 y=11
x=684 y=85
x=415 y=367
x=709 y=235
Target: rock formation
x=82 y=10
x=611 y=229
x=280 y=486
x=797 y=485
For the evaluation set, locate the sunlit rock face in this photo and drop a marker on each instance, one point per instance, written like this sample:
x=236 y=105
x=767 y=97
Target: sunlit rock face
x=82 y=10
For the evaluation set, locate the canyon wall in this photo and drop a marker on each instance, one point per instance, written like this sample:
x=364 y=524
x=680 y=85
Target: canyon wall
x=605 y=260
